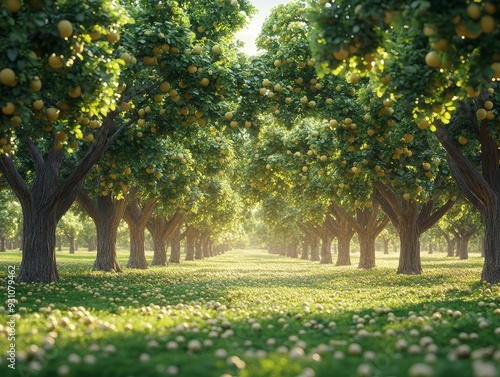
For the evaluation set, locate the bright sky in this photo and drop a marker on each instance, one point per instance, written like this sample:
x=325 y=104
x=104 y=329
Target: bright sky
x=250 y=33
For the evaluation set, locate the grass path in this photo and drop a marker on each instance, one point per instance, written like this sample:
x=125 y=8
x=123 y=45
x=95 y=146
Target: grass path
x=248 y=313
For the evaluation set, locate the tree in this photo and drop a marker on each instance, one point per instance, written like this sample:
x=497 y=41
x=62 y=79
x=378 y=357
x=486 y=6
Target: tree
x=70 y=226
x=68 y=123
x=10 y=217
x=447 y=58
x=461 y=224
x=48 y=60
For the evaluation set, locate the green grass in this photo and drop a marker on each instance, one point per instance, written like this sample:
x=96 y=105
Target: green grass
x=254 y=314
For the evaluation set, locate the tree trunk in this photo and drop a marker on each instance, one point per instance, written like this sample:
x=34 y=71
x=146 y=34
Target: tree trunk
x=411 y=219
x=409 y=244
x=205 y=246
x=344 y=237
x=305 y=249
x=51 y=197
x=314 y=249
x=480 y=186
x=430 y=247
x=137 y=258
x=137 y=219
x=106 y=212
x=71 y=239
x=59 y=243
x=462 y=248
x=38 y=263
x=326 y=249
x=2 y=244
x=190 y=246
x=366 y=250
x=175 y=246
x=386 y=246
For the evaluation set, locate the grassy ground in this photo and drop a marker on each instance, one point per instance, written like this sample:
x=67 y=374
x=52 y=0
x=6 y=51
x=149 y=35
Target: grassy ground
x=248 y=313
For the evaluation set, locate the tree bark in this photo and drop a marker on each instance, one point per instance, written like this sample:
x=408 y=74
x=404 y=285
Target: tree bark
x=2 y=243
x=38 y=263
x=190 y=243
x=106 y=212
x=411 y=220
x=344 y=237
x=326 y=249
x=409 y=239
x=480 y=186
x=430 y=247
x=161 y=230
x=71 y=239
x=137 y=219
x=367 y=224
x=450 y=244
x=386 y=245
x=175 y=246
x=315 y=249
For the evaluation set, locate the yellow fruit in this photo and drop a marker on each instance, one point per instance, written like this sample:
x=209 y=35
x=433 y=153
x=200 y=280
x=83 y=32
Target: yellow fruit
x=35 y=84
x=204 y=81
x=65 y=29
x=113 y=37
x=139 y=134
x=233 y=124
x=426 y=166
x=16 y=120
x=423 y=124
x=216 y=49
x=52 y=114
x=89 y=138
x=165 y=87
x=126 y=57
x=341 y=54
x=487 y=24
x=8 y=77
x=496 y=68
x=277 y=63
x=488 y=105
x=192 y=69
x=406 y=196
x=474 y=11
x=432 y=59
x=55 y=61
x=430 y=30
x=12 y=5
x=6 y=148
x=408 y=138
x=8 y=109
x=481 y=114
x=462 y=140
x=93 y=124
x=228 y=115
x=38 y=104
x=197 y=49
x=125 y=106
x=490 y=8
x=61 y=136
x=75 y=93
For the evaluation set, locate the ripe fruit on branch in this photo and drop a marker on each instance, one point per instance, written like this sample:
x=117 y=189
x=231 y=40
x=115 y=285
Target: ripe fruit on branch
x=8 y=77
x=65 y=29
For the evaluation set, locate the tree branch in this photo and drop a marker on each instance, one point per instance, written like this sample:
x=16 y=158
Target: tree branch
x=427 y=222
x=472 y=184
x=11 y=174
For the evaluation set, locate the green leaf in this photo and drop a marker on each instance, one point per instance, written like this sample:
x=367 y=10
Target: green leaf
x=12 y=54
